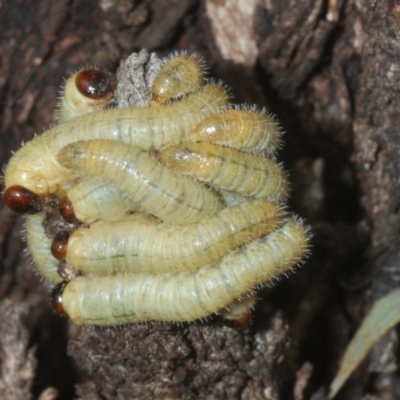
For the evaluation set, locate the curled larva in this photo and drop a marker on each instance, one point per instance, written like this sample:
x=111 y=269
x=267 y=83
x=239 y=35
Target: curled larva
x=86 y=91
x=39 y=247
x=184 y=296
x=229 y=169
x=141 y=243
x=35 y=167
x=93 y=199
x=179 y=76
x=159 y=190
x=246 y=130
x=384 y=316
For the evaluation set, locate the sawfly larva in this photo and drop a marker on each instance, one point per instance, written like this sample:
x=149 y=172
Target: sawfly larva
x=229 y=169
x=242 y=129
x=140 y=243
x=185 y=296
x=86 y=91
x=179 y=76
x=35 y=167
x=160 y=191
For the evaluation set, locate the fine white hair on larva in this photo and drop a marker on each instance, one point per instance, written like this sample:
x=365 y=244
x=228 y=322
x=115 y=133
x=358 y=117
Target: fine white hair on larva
x=184 y=296
x=141 y=243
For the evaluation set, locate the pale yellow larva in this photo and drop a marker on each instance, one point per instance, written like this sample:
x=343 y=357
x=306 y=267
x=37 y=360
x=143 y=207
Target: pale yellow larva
x=185 y=296
x=93 y=199
x=86 y=91
x=160 y=191
x=139 y=243
x=229 y=169
x=35 y=167
x=39 y=247
x=243 y=129
x=179 y=76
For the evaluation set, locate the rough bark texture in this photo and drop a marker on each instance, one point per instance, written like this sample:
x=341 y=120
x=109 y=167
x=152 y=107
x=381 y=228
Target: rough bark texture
x=330 y=71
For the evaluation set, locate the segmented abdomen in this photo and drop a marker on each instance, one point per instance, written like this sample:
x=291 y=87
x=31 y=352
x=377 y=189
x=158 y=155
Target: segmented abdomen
x=159 y=190
x=229 y=169
x=141 y=243
x=184 y=296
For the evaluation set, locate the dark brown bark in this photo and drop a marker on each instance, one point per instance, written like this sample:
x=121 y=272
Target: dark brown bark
x=330 y=71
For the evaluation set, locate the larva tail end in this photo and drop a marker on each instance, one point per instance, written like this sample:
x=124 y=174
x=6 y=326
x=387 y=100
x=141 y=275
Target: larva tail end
x=221 y=89
x=180 y=75
x=22 y=200
x=69 y=155
x=241 y=127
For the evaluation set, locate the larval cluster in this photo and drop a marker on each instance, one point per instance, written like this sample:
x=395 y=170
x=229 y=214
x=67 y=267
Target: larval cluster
x=171 y=211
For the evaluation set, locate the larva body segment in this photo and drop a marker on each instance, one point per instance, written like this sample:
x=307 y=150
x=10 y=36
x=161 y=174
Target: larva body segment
x=159 y=190
x=86 y=91
x=35 y=167
x=93 y=199
x=179 y=76
x=39 y=246
x=229 y=169
x=143 y=244
x=184 y=296
x=242 y=129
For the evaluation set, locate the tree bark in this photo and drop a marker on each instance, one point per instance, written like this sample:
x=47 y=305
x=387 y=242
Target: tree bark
x=329 y=69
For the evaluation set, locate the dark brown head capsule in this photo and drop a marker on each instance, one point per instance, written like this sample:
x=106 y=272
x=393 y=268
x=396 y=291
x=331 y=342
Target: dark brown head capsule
x=22 y=200
x=56 y=298
x=67 y=210
x=95 y=84
x=59 y=246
